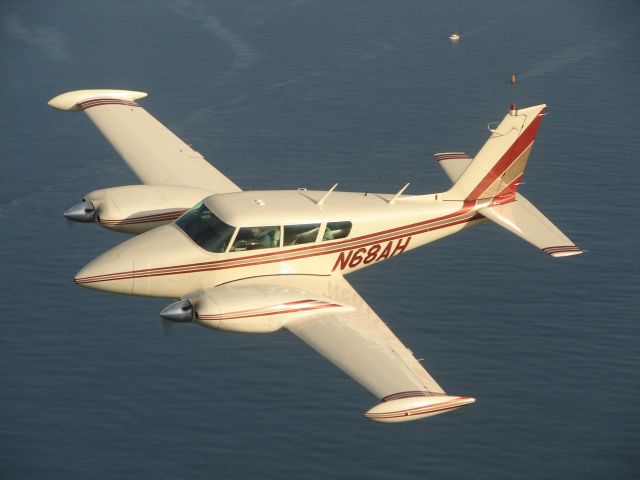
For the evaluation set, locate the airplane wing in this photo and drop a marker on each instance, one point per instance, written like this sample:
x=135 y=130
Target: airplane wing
x=151 y=150
x=336 y=322
x=359 y=343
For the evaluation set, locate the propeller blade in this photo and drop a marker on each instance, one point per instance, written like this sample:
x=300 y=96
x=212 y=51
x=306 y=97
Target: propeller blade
x=166 y=326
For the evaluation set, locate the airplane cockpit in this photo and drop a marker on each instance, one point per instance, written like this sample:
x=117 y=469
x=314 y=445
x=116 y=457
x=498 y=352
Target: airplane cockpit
x=211 y=233
x=205 y=229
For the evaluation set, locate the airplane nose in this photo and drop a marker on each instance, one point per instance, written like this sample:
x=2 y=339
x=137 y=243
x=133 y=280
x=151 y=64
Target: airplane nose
x=144 y=265
x=108 y=273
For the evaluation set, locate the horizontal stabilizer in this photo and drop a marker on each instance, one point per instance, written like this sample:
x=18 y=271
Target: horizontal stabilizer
x=453 y=163
x=526 y=221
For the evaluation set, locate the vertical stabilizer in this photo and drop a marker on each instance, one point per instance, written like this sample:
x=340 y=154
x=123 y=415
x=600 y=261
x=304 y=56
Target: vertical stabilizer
x=497 y=169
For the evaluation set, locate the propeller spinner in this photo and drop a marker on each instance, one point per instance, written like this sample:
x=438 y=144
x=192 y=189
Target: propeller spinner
x=81 y=212
x=178 y=312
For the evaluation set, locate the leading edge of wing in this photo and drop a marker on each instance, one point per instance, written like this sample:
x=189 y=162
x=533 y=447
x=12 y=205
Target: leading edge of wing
x=154 y=153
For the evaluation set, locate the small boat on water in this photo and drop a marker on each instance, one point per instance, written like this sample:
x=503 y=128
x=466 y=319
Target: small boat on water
x=454 y=37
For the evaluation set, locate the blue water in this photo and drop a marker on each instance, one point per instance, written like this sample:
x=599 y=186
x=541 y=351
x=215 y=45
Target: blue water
x=290 y=94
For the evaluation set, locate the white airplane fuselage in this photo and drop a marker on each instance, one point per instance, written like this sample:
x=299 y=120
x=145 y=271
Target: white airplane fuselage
x=166 y=262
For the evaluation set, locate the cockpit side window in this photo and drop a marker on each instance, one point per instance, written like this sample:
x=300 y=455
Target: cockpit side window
x=254 y=238
x=336 y=230
x=204 y=228
x=297 y=234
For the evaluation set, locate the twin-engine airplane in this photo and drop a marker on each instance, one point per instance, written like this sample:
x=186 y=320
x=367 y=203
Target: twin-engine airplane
x=263 y=261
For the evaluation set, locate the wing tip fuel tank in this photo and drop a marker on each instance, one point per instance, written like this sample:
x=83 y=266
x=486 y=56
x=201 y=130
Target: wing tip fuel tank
x=70 y=101
x=415 y=408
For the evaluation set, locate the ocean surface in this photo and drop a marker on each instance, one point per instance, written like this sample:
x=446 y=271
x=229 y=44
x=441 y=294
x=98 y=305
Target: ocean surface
x=306 y=94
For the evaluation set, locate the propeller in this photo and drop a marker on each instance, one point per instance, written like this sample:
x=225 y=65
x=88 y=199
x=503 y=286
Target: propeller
x=81 y=212
x=167 y=325
x=178 y=312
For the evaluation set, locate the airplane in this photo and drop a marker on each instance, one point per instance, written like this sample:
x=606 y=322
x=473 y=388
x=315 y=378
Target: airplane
x=265 y=261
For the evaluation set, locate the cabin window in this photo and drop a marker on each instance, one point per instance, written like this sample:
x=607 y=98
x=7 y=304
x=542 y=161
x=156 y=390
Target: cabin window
x=336 y=230
x=205 y=229
x=298 y=234
x=254 y=238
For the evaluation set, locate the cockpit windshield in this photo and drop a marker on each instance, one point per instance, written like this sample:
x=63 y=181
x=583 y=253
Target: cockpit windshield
x=204 y=228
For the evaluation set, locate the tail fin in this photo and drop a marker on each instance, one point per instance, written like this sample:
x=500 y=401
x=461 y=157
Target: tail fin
x=496 y=171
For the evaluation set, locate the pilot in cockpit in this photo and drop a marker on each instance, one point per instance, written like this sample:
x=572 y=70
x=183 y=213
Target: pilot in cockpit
x=262 y=237
x=252 y=238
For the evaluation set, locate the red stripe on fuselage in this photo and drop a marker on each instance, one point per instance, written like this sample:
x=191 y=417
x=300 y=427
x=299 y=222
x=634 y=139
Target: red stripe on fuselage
x=467 y=206
x=282 y=256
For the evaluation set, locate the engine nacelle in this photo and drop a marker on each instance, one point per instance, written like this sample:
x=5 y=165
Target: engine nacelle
x=254 y=308
x=139 y=208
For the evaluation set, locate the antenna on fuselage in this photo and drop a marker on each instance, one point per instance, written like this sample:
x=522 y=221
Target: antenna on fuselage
x=395 y=197
x=326 y=195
